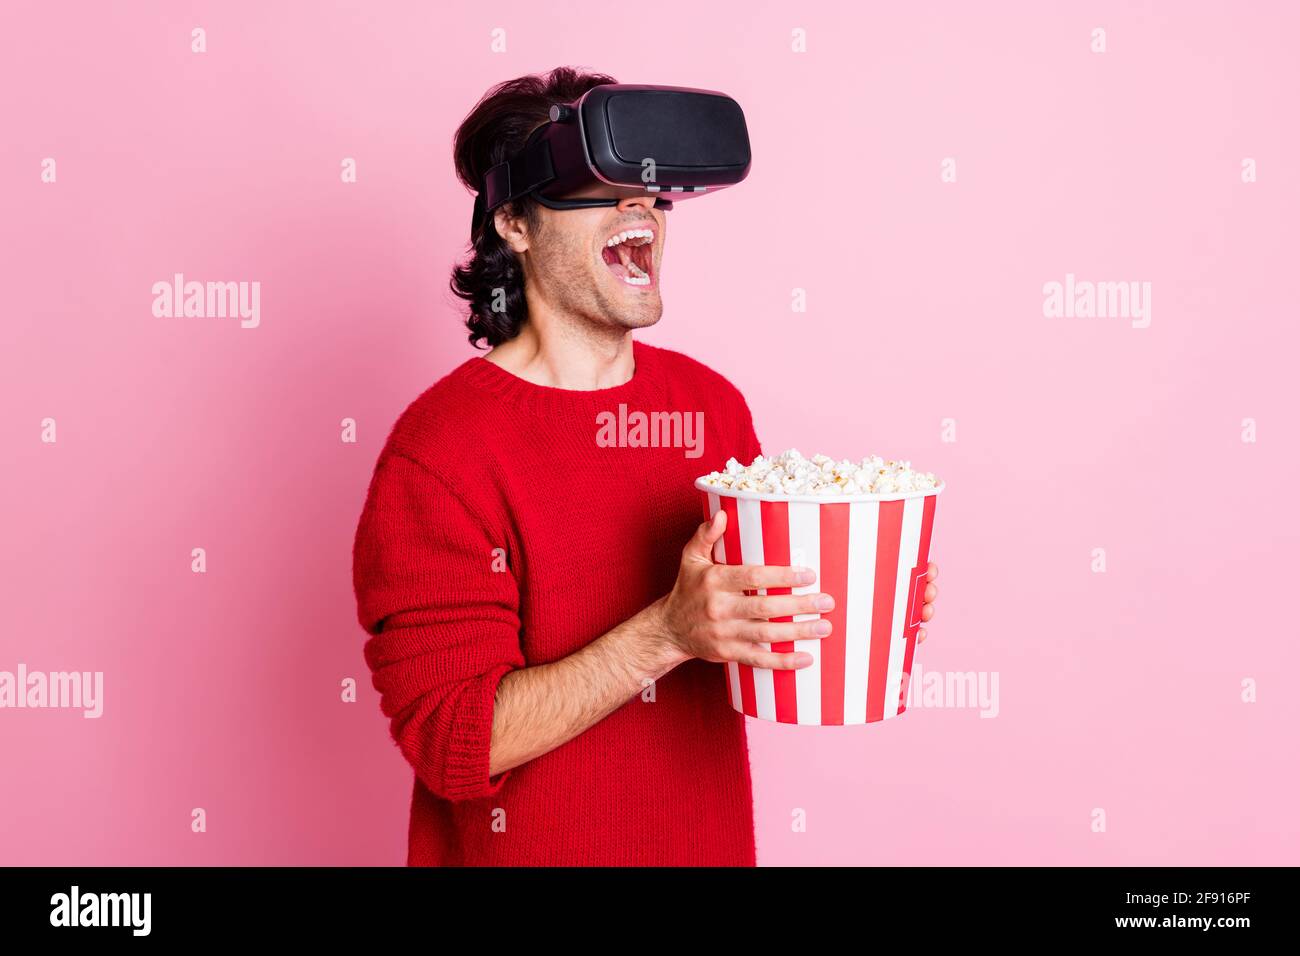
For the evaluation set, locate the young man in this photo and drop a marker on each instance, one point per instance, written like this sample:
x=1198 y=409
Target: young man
x=546 y=649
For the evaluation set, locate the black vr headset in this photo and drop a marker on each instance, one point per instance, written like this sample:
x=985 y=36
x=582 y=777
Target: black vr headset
x=620 y=140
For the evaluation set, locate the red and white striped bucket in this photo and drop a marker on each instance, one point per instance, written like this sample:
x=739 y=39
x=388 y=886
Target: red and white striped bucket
x=870 y=553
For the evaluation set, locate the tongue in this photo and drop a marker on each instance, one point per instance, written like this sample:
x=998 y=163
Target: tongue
x=616 y=260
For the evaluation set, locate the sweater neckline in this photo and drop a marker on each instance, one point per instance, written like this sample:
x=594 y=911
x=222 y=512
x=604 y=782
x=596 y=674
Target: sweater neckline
x=644 y=388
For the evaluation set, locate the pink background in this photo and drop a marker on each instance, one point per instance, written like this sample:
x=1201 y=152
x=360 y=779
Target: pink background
x=1119 y=691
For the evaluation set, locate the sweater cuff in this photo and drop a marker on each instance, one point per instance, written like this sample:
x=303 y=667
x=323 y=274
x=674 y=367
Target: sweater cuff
x=469 y=753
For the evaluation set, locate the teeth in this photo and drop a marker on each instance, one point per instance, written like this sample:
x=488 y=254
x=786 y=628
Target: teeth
x=635 y=237
x=638 y=275
x=644 y=234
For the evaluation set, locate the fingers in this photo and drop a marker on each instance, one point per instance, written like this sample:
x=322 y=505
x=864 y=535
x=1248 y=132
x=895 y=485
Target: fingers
x=765 y=632
x=714 y=527
x=756 y=657
x=750 y=577
x=932 y=571
x=706 y=536
x=931 y=592
x=766 y=607
x=920 y=636
x=927 y=612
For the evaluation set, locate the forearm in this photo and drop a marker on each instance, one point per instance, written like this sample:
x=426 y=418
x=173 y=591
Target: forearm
x=539 y=708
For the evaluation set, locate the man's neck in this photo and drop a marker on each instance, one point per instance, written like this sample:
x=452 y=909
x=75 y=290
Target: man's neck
x=561 y=358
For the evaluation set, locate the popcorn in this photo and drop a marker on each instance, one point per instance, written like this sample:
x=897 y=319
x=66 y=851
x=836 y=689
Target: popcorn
x=790 y=473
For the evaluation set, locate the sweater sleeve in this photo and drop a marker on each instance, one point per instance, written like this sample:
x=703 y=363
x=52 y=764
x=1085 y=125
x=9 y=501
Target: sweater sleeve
x=441 y=605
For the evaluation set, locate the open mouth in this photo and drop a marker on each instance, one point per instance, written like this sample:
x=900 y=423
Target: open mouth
x=630 y=255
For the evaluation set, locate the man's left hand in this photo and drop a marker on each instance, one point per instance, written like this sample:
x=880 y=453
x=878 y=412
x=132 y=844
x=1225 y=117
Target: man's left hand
x=931 y=592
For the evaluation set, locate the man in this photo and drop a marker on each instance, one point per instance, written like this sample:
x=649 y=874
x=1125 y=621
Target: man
x=547 y=650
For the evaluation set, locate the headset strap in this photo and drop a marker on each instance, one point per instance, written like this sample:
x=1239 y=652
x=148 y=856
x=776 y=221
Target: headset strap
x=529 y=169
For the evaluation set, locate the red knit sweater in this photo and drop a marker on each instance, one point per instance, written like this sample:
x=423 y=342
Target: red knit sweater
x=498 y=533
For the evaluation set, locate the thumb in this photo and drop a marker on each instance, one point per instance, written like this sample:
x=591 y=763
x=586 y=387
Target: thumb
x=706 y=535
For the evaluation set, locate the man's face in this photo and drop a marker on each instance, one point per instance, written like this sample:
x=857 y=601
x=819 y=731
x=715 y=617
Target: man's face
x=600 y=265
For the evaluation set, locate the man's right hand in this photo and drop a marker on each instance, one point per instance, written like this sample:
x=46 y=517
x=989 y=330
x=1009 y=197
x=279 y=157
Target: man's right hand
x=708 y=615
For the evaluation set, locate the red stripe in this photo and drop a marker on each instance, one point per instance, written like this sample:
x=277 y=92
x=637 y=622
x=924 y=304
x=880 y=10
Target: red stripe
x=835 y=582
x=731 y=536
x=776 y=551
x=882 y=606
x=708 y=518
x=731 y=541
x=922 y=562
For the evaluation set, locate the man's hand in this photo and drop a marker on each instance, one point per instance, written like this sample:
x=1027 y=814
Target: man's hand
x=708 y=615
x=931 y=592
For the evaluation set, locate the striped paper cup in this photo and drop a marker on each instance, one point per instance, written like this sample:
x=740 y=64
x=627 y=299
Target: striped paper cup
x=870 y=553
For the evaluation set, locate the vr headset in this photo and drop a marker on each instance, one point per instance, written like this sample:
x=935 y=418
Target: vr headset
x=620 y=140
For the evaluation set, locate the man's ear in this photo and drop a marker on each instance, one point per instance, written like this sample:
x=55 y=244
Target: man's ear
x=511 y=227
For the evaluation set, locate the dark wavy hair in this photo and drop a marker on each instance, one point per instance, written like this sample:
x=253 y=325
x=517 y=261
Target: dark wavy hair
x=492 y=132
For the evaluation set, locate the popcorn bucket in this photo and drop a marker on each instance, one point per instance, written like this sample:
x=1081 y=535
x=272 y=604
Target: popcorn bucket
x=870 y=553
